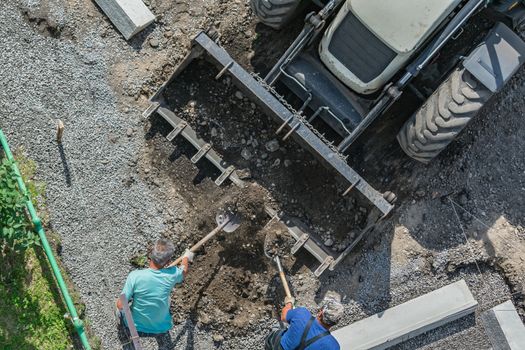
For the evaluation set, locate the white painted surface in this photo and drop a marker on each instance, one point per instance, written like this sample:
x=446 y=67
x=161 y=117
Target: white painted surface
x=402 y=25
x=409 y=319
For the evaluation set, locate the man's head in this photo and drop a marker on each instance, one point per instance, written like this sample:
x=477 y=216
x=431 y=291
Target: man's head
x=330 y=312
x=162 y=252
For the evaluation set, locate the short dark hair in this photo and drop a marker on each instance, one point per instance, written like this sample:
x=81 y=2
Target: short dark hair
x=162 y=252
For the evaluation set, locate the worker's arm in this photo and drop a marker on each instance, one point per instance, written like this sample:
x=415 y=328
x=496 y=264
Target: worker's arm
x=119 y=304
x=285 y=310
x=129 y=286
x=288 y=305
x=185 y=266
x=186 y=259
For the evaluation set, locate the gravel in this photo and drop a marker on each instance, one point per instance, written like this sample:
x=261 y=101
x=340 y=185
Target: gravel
x=102 y=222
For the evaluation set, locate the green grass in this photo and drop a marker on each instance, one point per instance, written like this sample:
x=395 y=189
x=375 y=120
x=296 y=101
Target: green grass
x=31 y=312
x=31 y=308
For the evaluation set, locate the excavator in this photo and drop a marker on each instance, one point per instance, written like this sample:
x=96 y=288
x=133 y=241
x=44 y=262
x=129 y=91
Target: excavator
x=351 y=63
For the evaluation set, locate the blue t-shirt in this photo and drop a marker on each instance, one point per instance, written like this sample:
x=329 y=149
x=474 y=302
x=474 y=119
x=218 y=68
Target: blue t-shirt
x=151 y=290
x=298 y=320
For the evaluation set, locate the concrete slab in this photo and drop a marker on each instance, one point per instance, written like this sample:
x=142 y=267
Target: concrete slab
x=408 y=320
x=129 y=16
x=504 y=327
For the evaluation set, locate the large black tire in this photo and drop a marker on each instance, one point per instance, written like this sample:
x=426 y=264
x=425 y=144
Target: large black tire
x=275 y=13
x=443 y=116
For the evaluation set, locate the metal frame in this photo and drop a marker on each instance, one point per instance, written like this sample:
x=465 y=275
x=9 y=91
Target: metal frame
x=307 y=239
x=275 y=106
x=295 y=123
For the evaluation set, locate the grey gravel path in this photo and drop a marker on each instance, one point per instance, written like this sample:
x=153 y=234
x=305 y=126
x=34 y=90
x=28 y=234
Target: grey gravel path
x=101 y=221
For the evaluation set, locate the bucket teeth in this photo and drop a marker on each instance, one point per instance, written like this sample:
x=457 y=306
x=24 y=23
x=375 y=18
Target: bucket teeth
x=226 y=174
x=176 y=130
x=202 y=152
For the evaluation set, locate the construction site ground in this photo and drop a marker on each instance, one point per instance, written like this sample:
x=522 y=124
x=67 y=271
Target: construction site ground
x=116 y=184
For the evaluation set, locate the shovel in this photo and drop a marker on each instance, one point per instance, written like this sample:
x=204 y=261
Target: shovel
x=275 y=258
x=226 y=221
x=283 y=277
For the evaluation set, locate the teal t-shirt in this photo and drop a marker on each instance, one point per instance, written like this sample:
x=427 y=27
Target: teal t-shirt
x=150 y=290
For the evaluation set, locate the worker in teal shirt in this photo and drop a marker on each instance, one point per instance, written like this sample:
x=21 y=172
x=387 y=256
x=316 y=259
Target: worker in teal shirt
x=150 y=289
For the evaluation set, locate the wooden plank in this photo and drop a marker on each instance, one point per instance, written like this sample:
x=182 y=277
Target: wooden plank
x=129 y=16
x=130 y=322
x=409 y=319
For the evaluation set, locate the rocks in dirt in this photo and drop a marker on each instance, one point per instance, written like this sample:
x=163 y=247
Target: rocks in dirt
x=239 y=95
x=272 y=146
x=129 y=132
x=463 y=199
x=420 y=193
x=218 y=338
x=153 y=42
x=329 y=242
x=287 y=163
x=244 y=174
x=246 y=154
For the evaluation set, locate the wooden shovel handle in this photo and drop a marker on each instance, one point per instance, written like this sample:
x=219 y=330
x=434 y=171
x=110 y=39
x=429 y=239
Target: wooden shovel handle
x=285 y=284
x=131 y=323
x=202 y=241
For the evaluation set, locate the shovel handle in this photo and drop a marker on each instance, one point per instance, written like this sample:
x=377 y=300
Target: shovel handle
x=283 y=276
x=285 y=284
x=202 y=241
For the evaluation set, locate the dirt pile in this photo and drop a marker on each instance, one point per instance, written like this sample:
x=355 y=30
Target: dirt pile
x=228 y=286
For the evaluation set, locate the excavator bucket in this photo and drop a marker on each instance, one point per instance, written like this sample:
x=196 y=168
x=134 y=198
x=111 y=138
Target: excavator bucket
x=289 y=124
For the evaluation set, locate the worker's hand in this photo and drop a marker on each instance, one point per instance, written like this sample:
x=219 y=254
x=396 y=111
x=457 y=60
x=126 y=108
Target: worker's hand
x=188 y=254
x=289 y=300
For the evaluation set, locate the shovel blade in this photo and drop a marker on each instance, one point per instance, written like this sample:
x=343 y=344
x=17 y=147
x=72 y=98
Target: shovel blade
x=234 y=221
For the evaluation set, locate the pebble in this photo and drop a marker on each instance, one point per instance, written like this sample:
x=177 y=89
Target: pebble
x=244 y=174
x=129 y=132
x=463 y=199
x=218 y=338
x=329 y=242
x=287 y=162
x=154 y=42
x=239 y=95
x=246 y=154
x=272 y=146
x=420 y=193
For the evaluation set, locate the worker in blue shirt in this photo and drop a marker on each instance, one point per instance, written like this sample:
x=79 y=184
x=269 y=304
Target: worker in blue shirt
x=149 y=289
x=305 y=331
